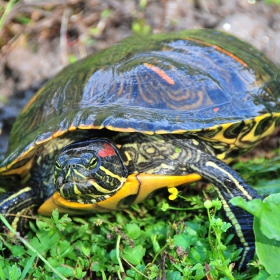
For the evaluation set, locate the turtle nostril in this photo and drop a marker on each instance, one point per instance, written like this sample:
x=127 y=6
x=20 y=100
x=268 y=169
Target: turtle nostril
x=72 y=165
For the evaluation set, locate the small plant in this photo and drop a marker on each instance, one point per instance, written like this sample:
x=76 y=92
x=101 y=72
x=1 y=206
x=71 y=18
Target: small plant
x=182 y=237
x=123 y=245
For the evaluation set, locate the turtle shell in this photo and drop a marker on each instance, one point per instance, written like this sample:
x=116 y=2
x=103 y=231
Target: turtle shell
x=182 y=82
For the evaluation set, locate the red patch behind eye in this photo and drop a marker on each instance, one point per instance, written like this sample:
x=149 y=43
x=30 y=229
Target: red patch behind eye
x=107 y=151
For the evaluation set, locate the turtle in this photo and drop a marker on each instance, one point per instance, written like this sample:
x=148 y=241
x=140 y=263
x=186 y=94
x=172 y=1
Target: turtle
x=150 y=112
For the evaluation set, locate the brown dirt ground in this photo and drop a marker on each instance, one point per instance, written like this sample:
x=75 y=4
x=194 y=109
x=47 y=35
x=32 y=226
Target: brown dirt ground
x=39 y=38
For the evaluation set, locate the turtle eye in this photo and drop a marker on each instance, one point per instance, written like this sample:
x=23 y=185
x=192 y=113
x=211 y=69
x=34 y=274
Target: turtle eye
x=93 y=162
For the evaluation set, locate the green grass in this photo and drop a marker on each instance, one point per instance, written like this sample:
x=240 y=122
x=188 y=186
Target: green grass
x=134 y=244
x=180 y=239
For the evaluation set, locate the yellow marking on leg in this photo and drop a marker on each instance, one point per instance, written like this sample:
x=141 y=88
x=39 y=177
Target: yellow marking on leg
x=236 y=225
x=23 y=203
x=245 y=193
x=169 y=167
x=15 y=195
x=18 y=216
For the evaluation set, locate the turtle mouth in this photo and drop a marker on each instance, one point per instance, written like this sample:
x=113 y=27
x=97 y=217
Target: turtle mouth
x=87 y=192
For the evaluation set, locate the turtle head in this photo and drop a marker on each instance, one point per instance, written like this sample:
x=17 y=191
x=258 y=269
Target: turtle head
x=89 y=171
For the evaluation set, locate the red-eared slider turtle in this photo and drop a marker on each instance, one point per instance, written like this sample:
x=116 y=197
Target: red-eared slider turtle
x=147 y=113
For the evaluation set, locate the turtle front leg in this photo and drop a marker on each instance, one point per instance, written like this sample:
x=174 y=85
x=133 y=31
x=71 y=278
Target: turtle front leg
x=16 y=205
x=228 y=184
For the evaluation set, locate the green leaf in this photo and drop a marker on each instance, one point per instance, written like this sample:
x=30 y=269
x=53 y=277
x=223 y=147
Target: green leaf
x=254 y=207
x=274 y=277
x=13 y=272
x=159 y=228
x=134 y=255
x=198 y=254
x=79 y=273
x=2 y=274
x=44 y=225
x=44 y=241
x=55 y=215
x=262 y=275
x=84 y=247
x=173 y=275
x=65 y=270
x=195 y=228
x=152 y=271
x=184 y=240
x=266 y=229
x=113 y=256
x=199 y=270
x=63 y=222
x=265 y=187
x=268 y=250
x=95 y=266
x=18 y=250
x=156 y=246
x=267 y=211
x=62 y=250
x=270 y=221
x=133 y=231
x=80 y=232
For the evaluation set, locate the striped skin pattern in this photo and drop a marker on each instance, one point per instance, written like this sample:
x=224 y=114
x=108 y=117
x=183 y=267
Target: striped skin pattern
x=86 y=176
x=163 y=110
x=183 y=156
x=165 y=155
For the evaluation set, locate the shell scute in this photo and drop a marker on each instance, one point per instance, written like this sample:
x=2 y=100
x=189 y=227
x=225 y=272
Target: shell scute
x=192 y=81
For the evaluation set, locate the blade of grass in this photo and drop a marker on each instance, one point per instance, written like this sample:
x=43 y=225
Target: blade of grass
x=6 y=12
x=2 y=275
x=27 y=266
x=5 y=222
